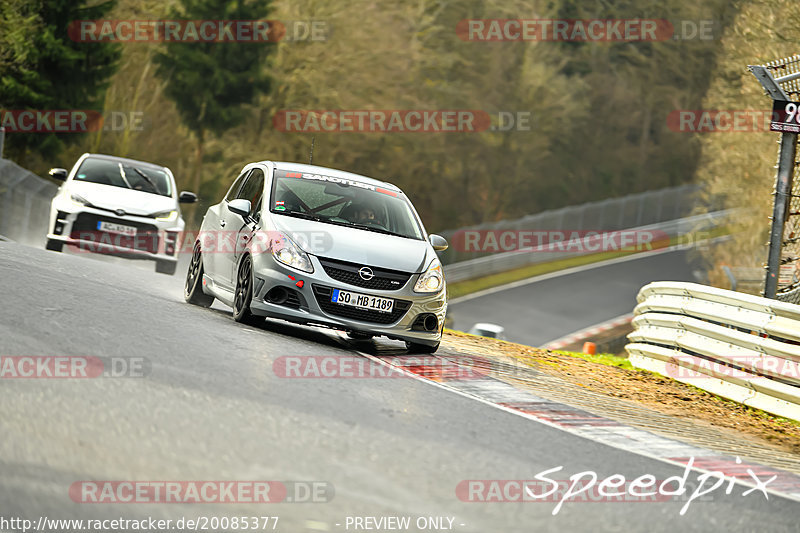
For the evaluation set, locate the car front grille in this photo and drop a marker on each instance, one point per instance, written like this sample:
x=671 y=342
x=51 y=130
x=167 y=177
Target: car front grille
x=85 y=229
x=383 y=280
x=323 y=295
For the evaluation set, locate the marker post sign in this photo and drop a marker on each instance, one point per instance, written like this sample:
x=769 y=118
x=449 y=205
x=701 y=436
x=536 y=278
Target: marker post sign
x=786 y=121
x=785 y=116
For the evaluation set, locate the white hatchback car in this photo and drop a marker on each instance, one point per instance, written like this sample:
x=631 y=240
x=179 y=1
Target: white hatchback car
x=117 y=206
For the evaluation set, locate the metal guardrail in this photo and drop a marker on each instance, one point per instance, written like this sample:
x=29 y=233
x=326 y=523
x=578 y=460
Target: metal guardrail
x=24 y=203
x=501 y=262
x=739 y=346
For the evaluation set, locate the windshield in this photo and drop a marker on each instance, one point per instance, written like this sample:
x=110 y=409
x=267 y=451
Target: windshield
x=343 y=202
x=125 y=175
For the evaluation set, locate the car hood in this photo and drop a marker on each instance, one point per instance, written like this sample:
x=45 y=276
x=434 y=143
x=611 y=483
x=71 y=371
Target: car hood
x=131 y=201
x=355 y=245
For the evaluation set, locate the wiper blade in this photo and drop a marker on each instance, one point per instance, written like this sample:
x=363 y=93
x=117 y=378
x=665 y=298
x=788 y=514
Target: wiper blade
x=148 y=180
x=300 y=214
x=122 y=175
x=379 y=230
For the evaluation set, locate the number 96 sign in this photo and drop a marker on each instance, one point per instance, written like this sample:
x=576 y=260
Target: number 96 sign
x=785 y=116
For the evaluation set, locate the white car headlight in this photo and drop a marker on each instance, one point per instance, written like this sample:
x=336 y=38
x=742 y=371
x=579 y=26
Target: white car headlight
x=166 y=216
x=286 y=252
x=432 y=280
x=78 y=199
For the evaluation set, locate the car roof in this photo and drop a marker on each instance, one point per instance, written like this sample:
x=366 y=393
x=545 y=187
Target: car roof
x=124 y=160
x=327 y=171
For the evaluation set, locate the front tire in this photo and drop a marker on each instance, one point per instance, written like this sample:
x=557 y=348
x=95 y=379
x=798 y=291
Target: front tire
x=193 y=290
x=243 y=293
x=54 y=245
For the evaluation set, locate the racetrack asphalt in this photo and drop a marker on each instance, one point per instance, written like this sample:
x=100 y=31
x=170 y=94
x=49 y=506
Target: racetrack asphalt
x=210 y=407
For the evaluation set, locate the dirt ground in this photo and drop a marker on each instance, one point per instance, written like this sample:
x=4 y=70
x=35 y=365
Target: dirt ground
x=659 y=393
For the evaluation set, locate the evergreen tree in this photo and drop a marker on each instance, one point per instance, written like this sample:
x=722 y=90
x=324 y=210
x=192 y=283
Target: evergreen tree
x=210 y=82
x=42 y=68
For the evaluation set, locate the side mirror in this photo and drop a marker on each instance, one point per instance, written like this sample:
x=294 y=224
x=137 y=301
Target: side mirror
x=241 y=207
x=58 y=173
x=186 y=197
x=438 y=242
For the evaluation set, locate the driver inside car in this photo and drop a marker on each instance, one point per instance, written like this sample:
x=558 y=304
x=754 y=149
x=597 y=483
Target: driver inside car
x=360 y=214
x=365 y=215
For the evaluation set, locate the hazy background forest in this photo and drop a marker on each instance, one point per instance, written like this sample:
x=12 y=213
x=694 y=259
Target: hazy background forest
x=598 y=111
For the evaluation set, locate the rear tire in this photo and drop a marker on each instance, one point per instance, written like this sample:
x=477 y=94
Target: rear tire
x=166 y=267
x=243 y=294
x=54 y=245
x=193 y=290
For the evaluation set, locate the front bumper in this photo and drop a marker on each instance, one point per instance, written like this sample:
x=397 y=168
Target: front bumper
x=156 y=240
x=311 y=288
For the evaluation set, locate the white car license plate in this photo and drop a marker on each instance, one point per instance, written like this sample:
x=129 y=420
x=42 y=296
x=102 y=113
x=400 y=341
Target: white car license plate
x=110 y=227
x=362 y=301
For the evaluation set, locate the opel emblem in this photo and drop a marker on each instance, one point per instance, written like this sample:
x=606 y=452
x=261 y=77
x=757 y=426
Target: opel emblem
x=366 y=273
x=120 y=212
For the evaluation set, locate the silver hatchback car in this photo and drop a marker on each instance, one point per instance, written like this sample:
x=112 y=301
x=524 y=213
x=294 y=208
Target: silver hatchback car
x=319 y=246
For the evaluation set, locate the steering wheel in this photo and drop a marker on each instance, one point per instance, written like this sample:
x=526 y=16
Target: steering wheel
x=373 y=223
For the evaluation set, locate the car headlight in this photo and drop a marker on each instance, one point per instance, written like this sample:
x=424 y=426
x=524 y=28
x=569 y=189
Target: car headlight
x=432 y=280
x=286 y=252
x=77 y=199
x=166 y=216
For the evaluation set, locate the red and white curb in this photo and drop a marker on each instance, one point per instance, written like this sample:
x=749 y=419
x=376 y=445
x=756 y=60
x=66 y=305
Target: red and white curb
x=446 y=371
x=589 y=332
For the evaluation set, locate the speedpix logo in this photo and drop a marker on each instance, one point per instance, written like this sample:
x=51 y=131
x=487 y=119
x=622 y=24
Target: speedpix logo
x=587 y=486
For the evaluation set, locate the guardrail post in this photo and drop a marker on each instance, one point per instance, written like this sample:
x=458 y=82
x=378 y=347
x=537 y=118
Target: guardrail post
x=783 y=193
x=783 y=182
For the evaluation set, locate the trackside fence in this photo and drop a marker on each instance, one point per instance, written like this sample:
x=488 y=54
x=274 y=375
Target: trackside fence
x=631 y=211
x=24 y=204
x=739 y=346
x=699 y=225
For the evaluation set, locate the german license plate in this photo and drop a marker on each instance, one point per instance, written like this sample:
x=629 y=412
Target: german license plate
x=110 y=227
x=362 y=301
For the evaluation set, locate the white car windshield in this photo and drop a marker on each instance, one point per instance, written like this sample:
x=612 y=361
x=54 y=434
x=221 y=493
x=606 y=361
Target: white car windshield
x=125 y=175
x=344 y=202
